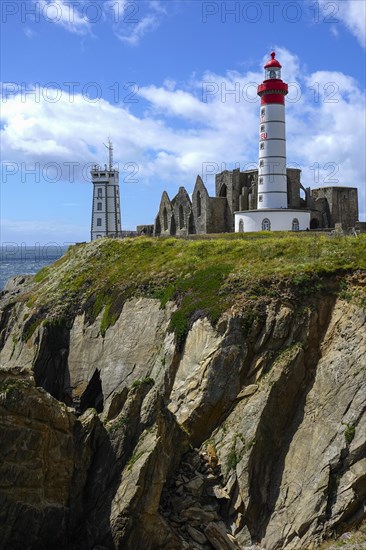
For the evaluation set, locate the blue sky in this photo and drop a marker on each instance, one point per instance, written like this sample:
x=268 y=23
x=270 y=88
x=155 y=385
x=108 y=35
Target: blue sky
x=172 y=83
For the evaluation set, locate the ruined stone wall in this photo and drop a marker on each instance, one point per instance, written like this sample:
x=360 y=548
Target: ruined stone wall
x=165 y=220
x=237 y=191
x=182 y=211
x=217 y=216
x=343 y=204
x=293 y=188
x=320 y=214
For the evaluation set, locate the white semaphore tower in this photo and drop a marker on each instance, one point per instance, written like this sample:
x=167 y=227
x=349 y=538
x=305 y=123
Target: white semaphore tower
x=272 y=211
x=106 y=210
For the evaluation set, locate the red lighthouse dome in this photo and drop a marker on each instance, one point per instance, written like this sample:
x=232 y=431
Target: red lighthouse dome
x=273 y=62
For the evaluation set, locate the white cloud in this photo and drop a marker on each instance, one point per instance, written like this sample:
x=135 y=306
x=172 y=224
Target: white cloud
x=130 y=21
x=179 y=131
x=133 y=20
x=66 y=15
x=352 y=13
x=146 y=24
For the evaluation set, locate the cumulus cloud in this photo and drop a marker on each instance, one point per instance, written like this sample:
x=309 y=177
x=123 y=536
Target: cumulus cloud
x=352 y=13
x=130 y=21
x=212 y=122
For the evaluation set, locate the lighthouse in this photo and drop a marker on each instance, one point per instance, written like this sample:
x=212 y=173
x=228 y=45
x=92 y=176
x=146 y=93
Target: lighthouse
x=106 y=210
x=272 y=212
x=272 y=179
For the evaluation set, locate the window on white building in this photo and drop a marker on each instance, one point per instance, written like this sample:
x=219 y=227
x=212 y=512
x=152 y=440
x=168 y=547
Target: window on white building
x=263 y=128
x=99 y=222
x=261 y=146
x=263 y=111
x=241 y=226
x=266 y=225
x=260 y=198
x=261 y=163
x=260 y=181
x=295 y=225
x=100 y=192
x=99 y=206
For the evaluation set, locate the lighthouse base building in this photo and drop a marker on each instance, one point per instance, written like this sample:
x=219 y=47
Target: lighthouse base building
x=272 y=220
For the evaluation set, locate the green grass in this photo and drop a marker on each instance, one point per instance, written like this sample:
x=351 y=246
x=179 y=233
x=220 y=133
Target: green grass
x=145 y=382
x=349 y=433
x=204 y=276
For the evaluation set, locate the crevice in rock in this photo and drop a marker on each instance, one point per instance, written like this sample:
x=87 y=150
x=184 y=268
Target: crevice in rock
x=50 y=367
x=92 y=397
x=5 y=324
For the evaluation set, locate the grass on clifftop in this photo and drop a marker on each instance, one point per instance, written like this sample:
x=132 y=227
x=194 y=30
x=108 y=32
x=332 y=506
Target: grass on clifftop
x=203 y=276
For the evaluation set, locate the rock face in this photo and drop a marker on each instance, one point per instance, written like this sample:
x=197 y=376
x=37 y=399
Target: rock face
x=252 y=432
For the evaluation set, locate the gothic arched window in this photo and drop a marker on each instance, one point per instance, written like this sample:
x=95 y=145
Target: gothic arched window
x=165 y=219
x=266 y=225
x=223 y=191
x=181 y=217
x=295 y=224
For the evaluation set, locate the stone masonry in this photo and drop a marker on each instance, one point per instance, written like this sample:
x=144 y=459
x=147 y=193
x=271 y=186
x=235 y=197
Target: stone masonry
x=237 y=191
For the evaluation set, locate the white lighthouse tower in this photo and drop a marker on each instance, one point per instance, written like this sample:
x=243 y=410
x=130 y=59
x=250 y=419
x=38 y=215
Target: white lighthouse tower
x=272 y=179
x=106 y=209
x=272 y=213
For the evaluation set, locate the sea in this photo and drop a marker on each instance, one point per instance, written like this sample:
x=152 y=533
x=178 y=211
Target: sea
x=26 y=260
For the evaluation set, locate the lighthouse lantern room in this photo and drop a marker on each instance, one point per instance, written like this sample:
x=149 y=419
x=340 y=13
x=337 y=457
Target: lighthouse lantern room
x=272 y=211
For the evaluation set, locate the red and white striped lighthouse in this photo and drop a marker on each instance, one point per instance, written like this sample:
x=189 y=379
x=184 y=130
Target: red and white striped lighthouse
x=272 y=212
x=272 y=179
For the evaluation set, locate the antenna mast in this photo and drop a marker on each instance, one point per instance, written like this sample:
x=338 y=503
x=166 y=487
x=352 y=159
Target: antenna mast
x=110 y=149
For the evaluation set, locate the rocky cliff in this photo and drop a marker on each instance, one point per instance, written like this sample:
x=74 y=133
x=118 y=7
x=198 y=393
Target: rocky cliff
x=124 y=426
